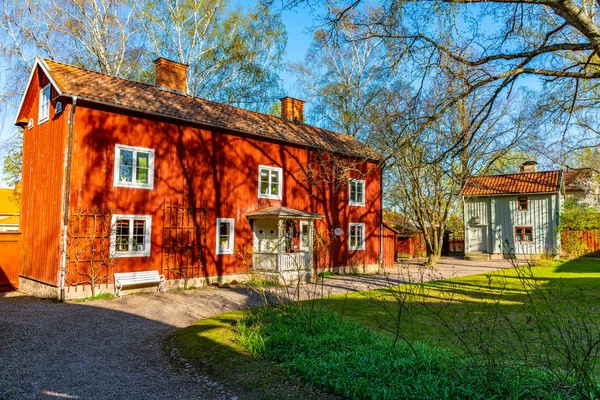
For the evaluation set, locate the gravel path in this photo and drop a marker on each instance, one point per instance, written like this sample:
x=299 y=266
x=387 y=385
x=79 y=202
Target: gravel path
x=112 y=349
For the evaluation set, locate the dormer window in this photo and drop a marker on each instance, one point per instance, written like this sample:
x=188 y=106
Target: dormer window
x=523 y=203
x=269 y=182
x=44 y=105
x=356 y=188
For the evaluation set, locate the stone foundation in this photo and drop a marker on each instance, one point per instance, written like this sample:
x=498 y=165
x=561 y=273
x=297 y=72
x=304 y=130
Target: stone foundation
x=37 y=288
x=356 y=269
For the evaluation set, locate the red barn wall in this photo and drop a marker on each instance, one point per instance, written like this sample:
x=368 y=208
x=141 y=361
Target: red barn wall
x=216 y=166
x=43 y=185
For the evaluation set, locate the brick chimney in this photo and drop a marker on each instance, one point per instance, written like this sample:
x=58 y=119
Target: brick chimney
x=529 y=166
x=292 y=109
x=171 y=75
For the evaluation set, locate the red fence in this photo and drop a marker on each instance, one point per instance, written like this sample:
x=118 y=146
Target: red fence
x=580 y=243
x=456 y=245
x=10 y=260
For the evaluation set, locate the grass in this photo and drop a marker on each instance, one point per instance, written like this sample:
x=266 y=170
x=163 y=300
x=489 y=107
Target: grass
x=101 y=296
x=471 y=306
x=211 y=346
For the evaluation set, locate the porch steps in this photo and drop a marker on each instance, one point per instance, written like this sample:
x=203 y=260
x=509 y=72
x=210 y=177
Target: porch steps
x=477 y=256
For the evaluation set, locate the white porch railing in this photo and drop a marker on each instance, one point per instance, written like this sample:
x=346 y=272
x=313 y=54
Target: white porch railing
x=281 y=262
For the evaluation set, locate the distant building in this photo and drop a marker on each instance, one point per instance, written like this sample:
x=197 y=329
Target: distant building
x=9 y=211
x=513 y=213
x=583 y=186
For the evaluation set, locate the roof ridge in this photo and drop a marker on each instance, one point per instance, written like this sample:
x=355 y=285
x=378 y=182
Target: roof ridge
x=514 y=173
x=197 y=98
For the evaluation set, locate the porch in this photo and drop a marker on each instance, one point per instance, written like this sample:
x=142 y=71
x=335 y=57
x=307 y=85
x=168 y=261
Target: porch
x=282 y=243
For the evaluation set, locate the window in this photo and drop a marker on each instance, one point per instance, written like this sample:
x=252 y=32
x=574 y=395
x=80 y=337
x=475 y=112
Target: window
x=523 y=234
x=44 y=105
x=269 y=182
x=130 y=235
x=224 y=235
x=357 y=192
x=522 y=203
x=356 y=236
x=134 y=167
x=304 y=235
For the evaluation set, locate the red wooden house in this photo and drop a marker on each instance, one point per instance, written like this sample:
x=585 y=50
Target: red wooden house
x=120 y=176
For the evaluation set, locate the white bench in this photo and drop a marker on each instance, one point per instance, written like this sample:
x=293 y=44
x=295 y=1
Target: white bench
x=138 y=278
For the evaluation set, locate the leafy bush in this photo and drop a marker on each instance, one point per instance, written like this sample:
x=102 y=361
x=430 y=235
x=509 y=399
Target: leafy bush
x=356 y=362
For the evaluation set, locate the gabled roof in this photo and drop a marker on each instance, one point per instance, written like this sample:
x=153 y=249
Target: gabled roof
x=148 y=99
x=522 y=183
x=575 y=179
x=282 y=212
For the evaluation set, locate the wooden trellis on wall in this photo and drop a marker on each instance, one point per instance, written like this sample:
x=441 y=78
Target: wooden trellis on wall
x=184 y=239
x=89 y=256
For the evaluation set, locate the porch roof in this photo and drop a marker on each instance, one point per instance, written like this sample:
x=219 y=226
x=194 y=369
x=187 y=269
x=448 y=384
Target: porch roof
x=283 y=213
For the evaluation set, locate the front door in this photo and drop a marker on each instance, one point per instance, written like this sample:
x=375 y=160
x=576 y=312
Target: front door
x=478 y=238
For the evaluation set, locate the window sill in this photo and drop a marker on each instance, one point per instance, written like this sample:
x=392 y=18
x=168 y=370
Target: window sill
x=264 y=196
x=224 y=252
x=356 y=204
x=133 y=185
x=41 y=121
x=129 y=255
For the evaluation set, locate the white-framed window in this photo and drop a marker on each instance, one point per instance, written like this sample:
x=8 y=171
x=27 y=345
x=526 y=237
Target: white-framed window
x=225 y=235
x=130 y=235
x=44 y=104
x=304 y=235
x=134 y=167
x=356 y=236
x=269 y=182
x=356 y=190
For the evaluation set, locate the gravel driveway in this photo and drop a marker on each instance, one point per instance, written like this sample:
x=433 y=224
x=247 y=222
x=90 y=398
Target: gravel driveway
x=112 y=349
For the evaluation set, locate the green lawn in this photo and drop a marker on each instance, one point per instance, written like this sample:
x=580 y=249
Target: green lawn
x=499 y=318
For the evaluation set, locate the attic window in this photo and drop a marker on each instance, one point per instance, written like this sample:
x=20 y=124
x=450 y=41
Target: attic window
x=523 y=204
x=58 y=108
x=44 y=104
x=30 y=124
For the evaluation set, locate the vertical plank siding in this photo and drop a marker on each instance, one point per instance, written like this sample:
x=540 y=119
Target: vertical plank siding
x=220 y=168
x=43 y=185
x=10 y=260
x=503 y=216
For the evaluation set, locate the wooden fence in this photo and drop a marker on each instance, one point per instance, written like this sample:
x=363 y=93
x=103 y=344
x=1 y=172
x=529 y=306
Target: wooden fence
x=10 y=260
x=580 y=243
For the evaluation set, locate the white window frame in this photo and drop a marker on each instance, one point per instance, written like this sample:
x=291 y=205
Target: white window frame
x=307 y=224
x=219 y=249
x=147 y=235
x=44 y=104
x=280 y=185
x=361 y=246
x=352 y=182
x=118 y=183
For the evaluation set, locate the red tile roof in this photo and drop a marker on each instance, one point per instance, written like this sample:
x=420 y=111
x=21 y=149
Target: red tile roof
x=530 y=182
x=96 y=87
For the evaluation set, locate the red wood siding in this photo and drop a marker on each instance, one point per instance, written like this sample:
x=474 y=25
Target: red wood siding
x=215 y=166
x=389 y=247
x=10 y=261
x=411 y=247
x=43 y=185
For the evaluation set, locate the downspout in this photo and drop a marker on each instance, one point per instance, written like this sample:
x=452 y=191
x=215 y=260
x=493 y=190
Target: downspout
x=67 y=193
